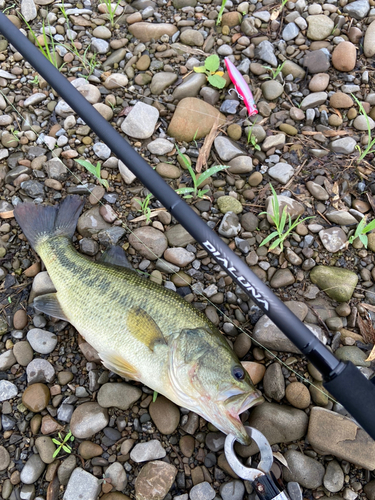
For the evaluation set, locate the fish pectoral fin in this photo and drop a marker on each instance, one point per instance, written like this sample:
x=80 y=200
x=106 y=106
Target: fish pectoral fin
x=142 y=327
x=117 y=364
x=49 y=304
x=115 y=255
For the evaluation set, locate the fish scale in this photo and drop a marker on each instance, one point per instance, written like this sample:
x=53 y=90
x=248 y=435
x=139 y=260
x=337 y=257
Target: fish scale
x=141 y=330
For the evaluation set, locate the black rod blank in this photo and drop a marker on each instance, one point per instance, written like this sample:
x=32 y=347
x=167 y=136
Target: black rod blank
x=293 y=328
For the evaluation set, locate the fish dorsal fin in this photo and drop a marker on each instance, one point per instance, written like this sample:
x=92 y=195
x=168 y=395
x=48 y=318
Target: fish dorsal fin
x=49 y=304
x=142 y=327
x=117 y=364
x=115 y=255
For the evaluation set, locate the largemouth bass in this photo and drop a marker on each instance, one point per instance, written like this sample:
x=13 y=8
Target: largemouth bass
x=141 y=330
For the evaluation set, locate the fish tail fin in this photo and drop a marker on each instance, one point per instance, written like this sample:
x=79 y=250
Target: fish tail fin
x=41 y=222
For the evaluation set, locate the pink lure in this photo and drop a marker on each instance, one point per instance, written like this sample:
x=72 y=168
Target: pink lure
x=241 y=87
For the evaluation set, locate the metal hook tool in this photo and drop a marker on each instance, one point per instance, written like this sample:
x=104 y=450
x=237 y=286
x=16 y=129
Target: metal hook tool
x=261 y=478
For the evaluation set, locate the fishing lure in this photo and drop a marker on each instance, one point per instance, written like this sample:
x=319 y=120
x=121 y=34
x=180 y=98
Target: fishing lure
x=241 y=87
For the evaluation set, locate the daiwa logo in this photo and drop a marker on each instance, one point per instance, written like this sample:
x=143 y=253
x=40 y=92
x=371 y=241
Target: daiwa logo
x=233 y=271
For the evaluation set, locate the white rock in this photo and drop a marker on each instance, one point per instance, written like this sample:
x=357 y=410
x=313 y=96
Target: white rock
x=125 y=173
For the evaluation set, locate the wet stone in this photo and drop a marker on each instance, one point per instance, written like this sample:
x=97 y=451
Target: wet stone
x=234 y=490
x=143 y=452
x=87 y=420
x=83 y=485
x=32 y=470
x=302 y=469
x=42 y=341
x=215 y=441
x=334 y=477
x=39 y=370
x=7 y=390
x=202 y=491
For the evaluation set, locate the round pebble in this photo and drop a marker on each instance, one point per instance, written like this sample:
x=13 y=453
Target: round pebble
x=42 y=341
x=298 y=395
x=36 y=397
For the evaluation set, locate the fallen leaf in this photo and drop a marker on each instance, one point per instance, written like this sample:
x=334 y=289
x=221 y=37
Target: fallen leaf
x=280 y=458
x=366 y=328
x=371 y=356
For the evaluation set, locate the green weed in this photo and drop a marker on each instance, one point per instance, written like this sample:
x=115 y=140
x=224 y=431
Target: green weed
x=210 y=68
x=280 y=221
x=15 y=133
x=252 y=139
x=221 y=11
x=275 y=72
x=63 y=444
x=95 y=171
x=195 y=192
x=361 y=231
x=144 y=207
x=370 y=142
x=111 y=11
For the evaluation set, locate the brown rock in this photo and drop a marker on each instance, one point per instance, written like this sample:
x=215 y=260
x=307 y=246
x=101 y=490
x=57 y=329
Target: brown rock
x=231 y=19
x=355 y=34
x=33 y=270
x=255 y=370
x=143 y=62
x=49 y=425
x=35 y=423
x=154 y=481
x=344 y=56
x=193 y=119
x=341 y=100
x=88 y=449
x=187 y=445
x=15 y=21
x=114 y=495
x=319 y=82
x=20 y=319
x=36 y=397
x=145 y=32
x=298 y=395
x=165 y=414
x=332 y=434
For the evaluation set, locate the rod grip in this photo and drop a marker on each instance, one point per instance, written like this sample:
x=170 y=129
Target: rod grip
x=356 y=394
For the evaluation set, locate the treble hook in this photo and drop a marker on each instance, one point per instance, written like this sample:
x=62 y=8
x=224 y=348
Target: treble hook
x=236 y=91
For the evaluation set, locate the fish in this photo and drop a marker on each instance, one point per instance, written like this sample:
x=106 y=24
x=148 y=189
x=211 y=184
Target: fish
x=241 y=87
x=141 y=330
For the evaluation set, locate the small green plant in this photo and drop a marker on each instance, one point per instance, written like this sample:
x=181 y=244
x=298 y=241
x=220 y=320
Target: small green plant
x=195 y=192
x=210 y=68
x=283 y=3
x=371 y=141
x=154 y=396
x=35 y=80
x=145 y=209
x=218 y=20
x=95 y=171
x=48 y=48
x=280 y=222
x=63 y=444
x=252 y=139
x=15 y=133
x=111 y=12
x=361 y=231
x=275 y=73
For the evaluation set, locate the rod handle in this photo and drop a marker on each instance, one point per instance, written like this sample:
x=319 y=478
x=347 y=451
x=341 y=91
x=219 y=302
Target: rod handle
x=356 y=394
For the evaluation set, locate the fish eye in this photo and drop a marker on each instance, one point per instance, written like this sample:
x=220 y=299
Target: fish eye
x=238 y=372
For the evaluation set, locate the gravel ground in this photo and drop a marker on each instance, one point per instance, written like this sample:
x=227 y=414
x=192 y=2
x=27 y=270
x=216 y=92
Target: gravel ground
x=137 y=70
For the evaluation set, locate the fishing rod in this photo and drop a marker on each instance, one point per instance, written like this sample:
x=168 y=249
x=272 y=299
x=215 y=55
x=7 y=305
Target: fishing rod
x=342 y=379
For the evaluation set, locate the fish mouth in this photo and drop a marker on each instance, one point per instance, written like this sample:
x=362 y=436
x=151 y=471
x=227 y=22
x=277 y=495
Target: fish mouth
x=235 y=405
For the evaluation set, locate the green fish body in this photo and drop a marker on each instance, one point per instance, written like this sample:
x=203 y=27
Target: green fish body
x=141 y=330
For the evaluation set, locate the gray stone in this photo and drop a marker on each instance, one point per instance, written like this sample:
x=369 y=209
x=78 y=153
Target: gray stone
x=290 y=32
x=87 y=420
x=241 y=165
x=32 y=470
x=279 y=424
x=149 y=242
x=265 y=52
x=314 y=100
x=357 y=10
x=294 y=208
x=273 y=382
x=91 y=222
x=65 y=412
x=4 y=458
x=227 y=149
x=179 y=256
x=34 y=99
x=190 y=87
x=341 y=217
x=41 y=341
x=7 y=360
x=141 y=121
x=28 y=11
x=177 y=236
x=202 y=491
x=345 y=145
x=119 y=395
x=215 y=441
x=34 y=189
x=273 y=141
x=66 y=468
x=160 y=147
x=126 y=173
x=272 y=89
x=333 y=239
x=144 y=452
x=39 y=370
x=83 y=485
x=101 y=150
x=354 y=354
x=117 y=474
x=161 y=81
x=99 y=45
x=334 y=477
x=234 y=490
x=230 y=225
x=7 y=390
x=249 y=221
x=320 y=27
x=302 y=469
x=281 y=172
x=369 y=44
